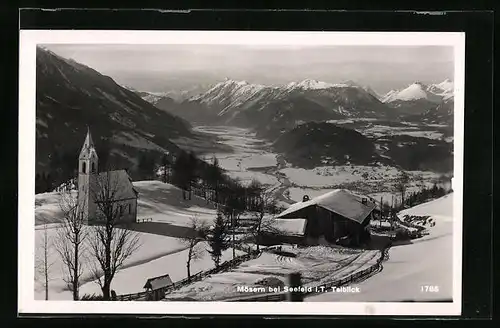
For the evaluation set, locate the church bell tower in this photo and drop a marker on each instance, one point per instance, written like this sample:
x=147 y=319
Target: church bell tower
x=87 y=172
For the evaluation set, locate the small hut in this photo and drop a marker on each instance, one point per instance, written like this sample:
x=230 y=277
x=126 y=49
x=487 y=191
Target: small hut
x=156 y=286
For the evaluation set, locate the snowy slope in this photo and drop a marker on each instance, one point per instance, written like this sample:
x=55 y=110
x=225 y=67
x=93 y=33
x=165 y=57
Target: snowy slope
x=152 y=247
x=159 y=201
x=426 y=261
x=71 y=96
x=163 y=202
x=228 y=94
x=132 y=279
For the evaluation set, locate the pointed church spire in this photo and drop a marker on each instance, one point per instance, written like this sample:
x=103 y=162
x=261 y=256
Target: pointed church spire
x=88 y=140
x=88 y=144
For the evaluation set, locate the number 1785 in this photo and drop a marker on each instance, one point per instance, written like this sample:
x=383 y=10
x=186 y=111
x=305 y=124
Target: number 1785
x=429 y=289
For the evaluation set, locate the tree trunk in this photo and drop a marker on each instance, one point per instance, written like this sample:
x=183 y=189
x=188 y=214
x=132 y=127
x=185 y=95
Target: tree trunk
x=75 y=275
x=188 y=266
x=258 y=232
x=107 y=271
x=46 y=287
x=106 y=290
x=45 y=265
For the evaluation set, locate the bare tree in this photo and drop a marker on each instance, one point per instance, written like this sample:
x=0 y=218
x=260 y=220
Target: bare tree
x=264 y=204
x=192 y=241
x=402 y=185
x=43 y=262
x=70 y=241
x=111 y=243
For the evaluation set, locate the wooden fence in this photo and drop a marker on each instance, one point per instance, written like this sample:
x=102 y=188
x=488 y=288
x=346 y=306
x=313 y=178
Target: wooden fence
x=356 y=277
x=147 y=295
x=268 y=297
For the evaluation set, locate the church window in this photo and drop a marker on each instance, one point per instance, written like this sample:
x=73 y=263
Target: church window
x=121 y=210
x=129 y=209
x=93 y=167
x=84 y=167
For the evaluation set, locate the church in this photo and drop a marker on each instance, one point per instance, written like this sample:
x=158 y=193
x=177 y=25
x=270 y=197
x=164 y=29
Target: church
x=114 y=187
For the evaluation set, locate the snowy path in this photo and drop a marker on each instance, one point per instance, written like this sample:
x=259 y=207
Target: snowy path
x=318 y=265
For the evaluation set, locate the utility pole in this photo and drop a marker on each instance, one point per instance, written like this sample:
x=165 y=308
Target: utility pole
x=295 y=283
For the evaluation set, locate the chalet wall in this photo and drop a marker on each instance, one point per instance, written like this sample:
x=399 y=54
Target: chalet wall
x=269 y=239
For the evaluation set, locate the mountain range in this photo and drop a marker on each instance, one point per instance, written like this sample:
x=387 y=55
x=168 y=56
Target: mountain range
x=272 y=108
x=253 y=105
x=71 y=96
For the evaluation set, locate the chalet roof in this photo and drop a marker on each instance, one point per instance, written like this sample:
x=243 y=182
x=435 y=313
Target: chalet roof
x=339 y=201
x=287 y=227
x=158 y=282
x=120 y=180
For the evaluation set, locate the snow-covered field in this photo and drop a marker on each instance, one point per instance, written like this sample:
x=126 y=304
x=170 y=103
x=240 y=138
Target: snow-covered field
x=373 y=129
x=152 y=248
x=376 y=131
x=162 y=202
x=317 y=264
x=427 y=261
x=246 y=177
x=374 y=181
x=325 y=176
x=132 y=279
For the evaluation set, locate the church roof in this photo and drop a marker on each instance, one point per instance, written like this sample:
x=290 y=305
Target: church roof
x=340 y=201
x=120 y=180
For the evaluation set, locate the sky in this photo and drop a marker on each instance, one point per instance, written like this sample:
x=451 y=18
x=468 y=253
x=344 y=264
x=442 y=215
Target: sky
x=161 y=68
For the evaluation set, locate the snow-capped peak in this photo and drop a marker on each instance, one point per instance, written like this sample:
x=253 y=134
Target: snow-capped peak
x=310 y=84
x=230 y=92
x=413 y=92
x=230 y=82
x=446 y=86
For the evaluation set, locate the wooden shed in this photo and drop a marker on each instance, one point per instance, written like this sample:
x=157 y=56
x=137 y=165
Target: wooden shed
x=157 y=286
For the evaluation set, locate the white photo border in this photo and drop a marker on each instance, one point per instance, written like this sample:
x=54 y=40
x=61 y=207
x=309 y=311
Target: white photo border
x=29 y=39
